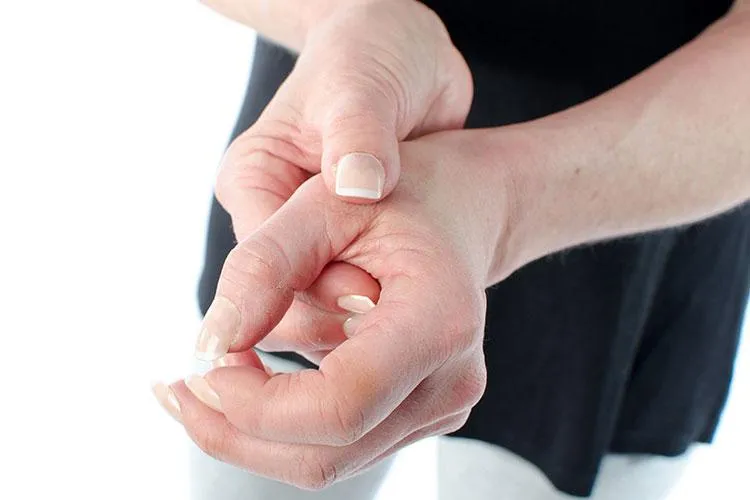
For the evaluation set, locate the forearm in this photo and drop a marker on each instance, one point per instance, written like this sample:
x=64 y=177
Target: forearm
x=669 y=147
x=286 y=22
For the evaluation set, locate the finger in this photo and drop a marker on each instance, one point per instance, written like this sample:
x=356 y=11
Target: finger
x=358 y=385
x=315 y=320
x=213 y=434
x=343 y=288
x=253 y=184
x=354 y=107
x=305 y=466
x=305 y=328
x=360 y=160
x=262 y=273
x=355 y=138
x=256 y=177
x=442 y=427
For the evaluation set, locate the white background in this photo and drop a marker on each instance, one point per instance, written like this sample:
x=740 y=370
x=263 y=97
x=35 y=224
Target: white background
x=113 y=116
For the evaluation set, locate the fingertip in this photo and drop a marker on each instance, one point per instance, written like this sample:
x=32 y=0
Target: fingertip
x=342 y=283
x=168 y=400
x=351 y=325
x=219 y=330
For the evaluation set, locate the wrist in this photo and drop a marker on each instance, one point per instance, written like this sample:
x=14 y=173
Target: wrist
x=539 y=166
x=508 y=164
x=489 y=185
x=566 y=185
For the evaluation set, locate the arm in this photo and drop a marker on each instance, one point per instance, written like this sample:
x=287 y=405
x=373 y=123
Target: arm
x=284 y=21
x=669 y=147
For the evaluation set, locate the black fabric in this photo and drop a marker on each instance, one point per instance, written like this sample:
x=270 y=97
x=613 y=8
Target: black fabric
x=599 y=41
x=626 y=346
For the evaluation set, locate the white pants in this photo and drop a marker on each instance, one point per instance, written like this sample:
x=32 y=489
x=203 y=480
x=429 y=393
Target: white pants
x=467 y=469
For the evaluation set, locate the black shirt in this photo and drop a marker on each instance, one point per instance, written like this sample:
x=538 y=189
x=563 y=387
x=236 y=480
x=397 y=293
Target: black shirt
x=626 y=346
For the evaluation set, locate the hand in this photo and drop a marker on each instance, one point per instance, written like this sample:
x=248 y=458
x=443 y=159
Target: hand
x=412 y=367
x=369 y=76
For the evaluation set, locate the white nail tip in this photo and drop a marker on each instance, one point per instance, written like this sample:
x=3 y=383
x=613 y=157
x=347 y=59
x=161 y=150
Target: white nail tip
x=360 y=175
x=359 y=304
x=357 y=193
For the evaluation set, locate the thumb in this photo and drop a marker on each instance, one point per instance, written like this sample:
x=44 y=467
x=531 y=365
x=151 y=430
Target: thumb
x=262 y=273
x=360 y=157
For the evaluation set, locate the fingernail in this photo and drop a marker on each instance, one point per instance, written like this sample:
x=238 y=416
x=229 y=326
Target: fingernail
x=201 y=390
x=358 y=304
x=360 y=175
x=167 y=400
x=351 y=325
x=220 y=330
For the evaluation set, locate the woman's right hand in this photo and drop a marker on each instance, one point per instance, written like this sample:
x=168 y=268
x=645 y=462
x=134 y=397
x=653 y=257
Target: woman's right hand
x=412 y=367
x=370 y=75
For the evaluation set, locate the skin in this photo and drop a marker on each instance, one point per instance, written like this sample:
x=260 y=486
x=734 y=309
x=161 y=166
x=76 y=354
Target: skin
x=286 y=22
x=371 y=74
x=364 y=97
x=296 y=427
x=668 y=147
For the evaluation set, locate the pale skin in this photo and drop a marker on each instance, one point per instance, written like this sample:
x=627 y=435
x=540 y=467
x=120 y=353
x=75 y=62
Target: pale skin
x=669 y=147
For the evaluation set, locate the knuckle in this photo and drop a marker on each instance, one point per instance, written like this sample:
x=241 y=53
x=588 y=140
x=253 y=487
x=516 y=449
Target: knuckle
x=470 y=386
x=358 y=116
x=254 y=172
x=258 y=418
x=347 y=423
x=252 y=160
x=214 y=443
x=314 y=473
x=222 y=188
x=473 y=310
x=235 y=165
x=456 y=423
x=343 y=413
x=243 y=263
x=464 y=326
x=259 y=257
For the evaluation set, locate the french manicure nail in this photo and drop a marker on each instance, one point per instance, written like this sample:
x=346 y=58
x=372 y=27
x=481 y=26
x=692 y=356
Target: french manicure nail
x=360 y=175
x=201 y=390
x=351 y=325
x=167 y=400
x=358 y=304
x=220 y=330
